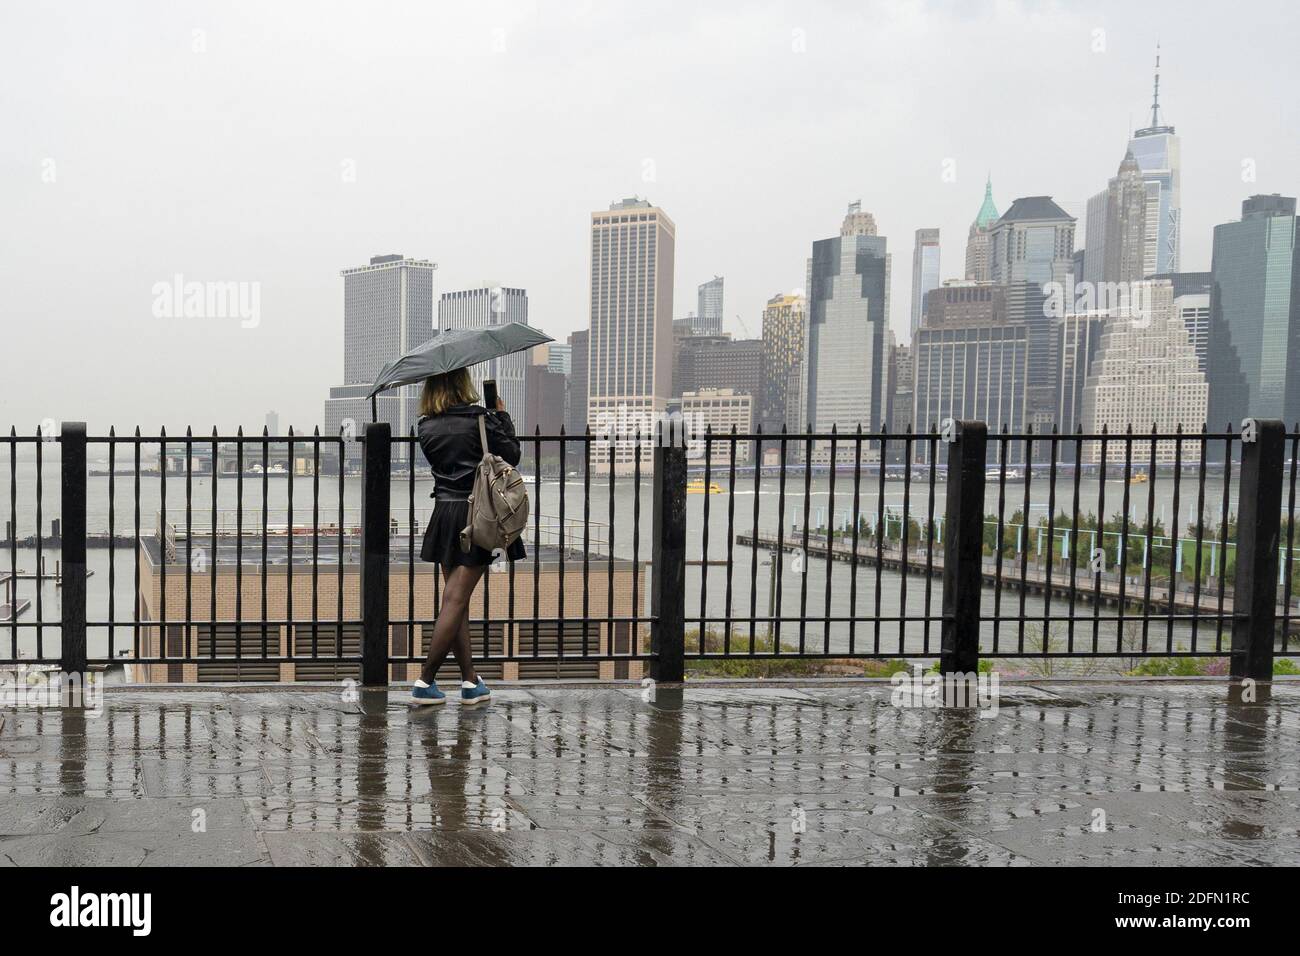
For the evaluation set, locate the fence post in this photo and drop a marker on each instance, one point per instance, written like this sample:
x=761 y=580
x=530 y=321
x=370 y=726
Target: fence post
x=963 y=549
x=73 y=546
x=668 y=555
x=1259 y=522
x=376 y=475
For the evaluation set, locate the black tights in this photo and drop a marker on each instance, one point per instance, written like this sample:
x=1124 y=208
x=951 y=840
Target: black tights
x=451 y=630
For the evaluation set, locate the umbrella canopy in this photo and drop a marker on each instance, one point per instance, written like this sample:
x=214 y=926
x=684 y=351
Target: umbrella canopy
x=451 y=349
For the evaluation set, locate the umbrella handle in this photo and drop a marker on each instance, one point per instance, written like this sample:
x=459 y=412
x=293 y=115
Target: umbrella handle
x=374 y=408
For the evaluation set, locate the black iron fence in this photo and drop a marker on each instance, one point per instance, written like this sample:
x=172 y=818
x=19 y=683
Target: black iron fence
x=258 y=557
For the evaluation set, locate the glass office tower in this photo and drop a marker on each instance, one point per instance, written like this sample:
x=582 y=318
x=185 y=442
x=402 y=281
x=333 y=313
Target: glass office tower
x=925 y=272
x=387 y=311
x=847 y=341
x=708 y=318
x=493 y=304
x=1159 y=154
x=1254 y=349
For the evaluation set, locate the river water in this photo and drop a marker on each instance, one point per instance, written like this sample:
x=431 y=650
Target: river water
x=803 y=582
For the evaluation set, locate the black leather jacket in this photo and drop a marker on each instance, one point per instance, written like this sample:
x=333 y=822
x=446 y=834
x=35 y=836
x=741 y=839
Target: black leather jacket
x=450 y=441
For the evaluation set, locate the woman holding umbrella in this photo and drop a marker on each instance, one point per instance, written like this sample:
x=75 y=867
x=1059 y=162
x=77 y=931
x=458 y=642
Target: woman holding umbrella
x=449 y=436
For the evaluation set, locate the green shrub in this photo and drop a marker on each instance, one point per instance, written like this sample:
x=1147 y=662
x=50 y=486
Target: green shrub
x=985 y=666
x=742 y=666
x=1181 y=667
x=885 y=668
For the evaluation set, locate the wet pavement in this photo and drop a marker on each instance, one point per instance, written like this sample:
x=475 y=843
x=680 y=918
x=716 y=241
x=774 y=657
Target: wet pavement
x=1066 y=773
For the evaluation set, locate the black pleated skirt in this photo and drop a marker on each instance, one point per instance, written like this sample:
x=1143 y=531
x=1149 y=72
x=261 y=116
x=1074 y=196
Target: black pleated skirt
x=442 y=538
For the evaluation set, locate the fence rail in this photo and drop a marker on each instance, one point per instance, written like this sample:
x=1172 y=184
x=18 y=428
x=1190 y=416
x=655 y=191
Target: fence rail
x=651 y=550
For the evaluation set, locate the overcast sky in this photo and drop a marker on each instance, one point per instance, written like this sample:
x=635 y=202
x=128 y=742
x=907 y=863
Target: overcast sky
x=278 y=143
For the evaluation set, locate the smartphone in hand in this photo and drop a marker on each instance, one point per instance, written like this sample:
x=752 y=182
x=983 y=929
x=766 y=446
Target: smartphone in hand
x=490 y=399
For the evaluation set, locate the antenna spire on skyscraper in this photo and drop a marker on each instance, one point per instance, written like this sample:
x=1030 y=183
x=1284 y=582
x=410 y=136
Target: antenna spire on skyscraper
x=1155 y=102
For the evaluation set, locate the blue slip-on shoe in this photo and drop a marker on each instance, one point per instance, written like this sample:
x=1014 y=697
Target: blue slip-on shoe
x=470 y=696
x=427 y=696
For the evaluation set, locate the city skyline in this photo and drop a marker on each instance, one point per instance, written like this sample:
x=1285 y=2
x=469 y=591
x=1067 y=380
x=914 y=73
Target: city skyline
x=275 y=206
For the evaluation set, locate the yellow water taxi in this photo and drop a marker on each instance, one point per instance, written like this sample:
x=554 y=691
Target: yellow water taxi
x=696 y=487
x=1139 y=479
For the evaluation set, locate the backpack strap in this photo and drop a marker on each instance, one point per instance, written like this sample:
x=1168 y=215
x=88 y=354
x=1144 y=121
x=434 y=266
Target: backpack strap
x=467 y=533
x=482 y=433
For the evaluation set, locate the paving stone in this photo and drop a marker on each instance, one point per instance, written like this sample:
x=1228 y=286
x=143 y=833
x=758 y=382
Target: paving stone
x=158 y=848
x=567 y=848
x=341 y=849
x=87 y=777
x=446 y=812
x=172 y=777
x=594 y=811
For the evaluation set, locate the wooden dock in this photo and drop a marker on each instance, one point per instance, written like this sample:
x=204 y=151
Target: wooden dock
x=1087 y=589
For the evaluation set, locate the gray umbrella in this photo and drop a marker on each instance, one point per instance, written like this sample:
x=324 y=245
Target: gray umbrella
x=451 y=349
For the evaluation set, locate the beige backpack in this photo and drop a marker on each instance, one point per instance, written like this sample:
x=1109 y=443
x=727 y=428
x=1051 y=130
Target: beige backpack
x=498 y=505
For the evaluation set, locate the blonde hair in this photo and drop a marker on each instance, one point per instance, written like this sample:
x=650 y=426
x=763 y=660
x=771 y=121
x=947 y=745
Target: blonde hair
x=445 y=390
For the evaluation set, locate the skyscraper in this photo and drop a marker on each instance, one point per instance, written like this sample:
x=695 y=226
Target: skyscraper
x=962 y=303
x=1032 y=246
x=969 y=361
x=847 y=342
x=902 y=377
x=387 y=311
x=708 y=316
x=783 y=334
x=487 y=305
x=1192 y=305
x=575 y=414
x=977 y=242
x=1033 y=241
x=1159 y=154
x=925 y=271
x=1144 y=373
x=718 y=361
x=685 y=341
x=630 y=370
x=1080 y=337
x=544 y=401
x=1254 y=346
x=559 y=357
x=1094 y=240
x=720 y=410
x=1126 y=221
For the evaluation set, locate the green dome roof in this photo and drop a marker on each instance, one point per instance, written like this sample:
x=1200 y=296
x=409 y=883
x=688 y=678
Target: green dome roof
x=988 y=213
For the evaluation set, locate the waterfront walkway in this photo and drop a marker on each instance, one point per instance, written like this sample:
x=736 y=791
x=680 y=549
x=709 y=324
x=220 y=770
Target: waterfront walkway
x=1133 y=772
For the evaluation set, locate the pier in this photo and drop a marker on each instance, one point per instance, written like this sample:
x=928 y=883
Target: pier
x=1086 y=589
